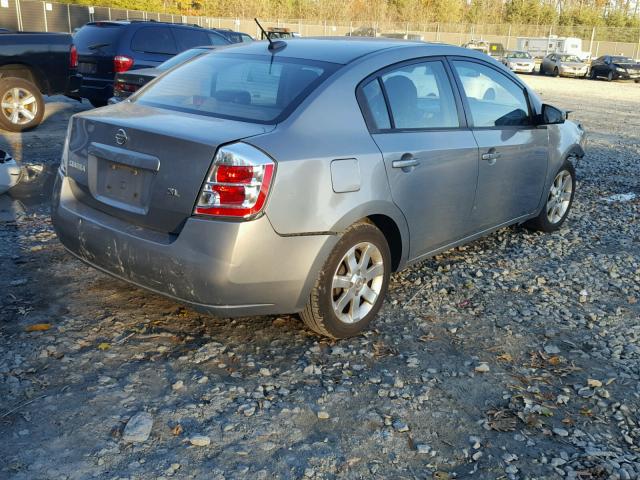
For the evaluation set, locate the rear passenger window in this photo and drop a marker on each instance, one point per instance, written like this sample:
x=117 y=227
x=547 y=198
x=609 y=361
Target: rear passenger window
x=421 y=97
x=493 y=99
x=215 y=39
x=188 y=38
x=376 y=106
x=154 y=40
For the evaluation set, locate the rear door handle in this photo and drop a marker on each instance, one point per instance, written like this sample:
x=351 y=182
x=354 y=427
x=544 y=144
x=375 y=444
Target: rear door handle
x=406 y=161
x=490 y=156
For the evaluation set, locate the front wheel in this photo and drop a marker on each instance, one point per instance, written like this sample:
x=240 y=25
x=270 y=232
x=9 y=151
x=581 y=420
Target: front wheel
x=352 y=284
x=559 y=201
x=22 y=105
x=556 y=72
x=609 y=76
x=592 y=75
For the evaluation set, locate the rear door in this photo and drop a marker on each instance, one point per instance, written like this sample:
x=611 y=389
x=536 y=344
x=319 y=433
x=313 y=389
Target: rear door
x=513 y=151
x=152 y=45
x=187 y=38
x=431 y=159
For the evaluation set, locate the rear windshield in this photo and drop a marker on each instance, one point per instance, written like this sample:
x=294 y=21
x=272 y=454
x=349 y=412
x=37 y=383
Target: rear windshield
x=569 y=58
x=519 y=55
x=180 y=58
x=99 y=38
x=253 y=88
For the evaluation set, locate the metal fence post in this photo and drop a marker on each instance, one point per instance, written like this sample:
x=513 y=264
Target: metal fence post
x=593 y=34
x=69 y=18
x=109 y=11
x=19 y=15
x=44 y=10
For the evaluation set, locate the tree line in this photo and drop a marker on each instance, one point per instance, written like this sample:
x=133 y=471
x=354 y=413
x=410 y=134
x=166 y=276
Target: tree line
x=611 y=13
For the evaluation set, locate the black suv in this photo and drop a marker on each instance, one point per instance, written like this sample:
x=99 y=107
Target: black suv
x=110 y=47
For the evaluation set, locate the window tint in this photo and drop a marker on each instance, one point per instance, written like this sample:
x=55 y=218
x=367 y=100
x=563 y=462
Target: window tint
x=154 y=40
x=189 y=38
x=493 y=99
x=420 y=96
x=259 y=88
x=216 y=39
x=376 y=106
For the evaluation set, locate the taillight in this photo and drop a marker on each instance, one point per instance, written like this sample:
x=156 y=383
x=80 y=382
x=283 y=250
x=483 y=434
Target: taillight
x=73 y=57
x=122 y=63
x=125 y=87
x=237 y=184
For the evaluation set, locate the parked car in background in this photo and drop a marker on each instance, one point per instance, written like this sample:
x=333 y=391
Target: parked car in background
x=32 y=65
x=126 y=83
x=234 y=37
x=279 y=33
x=558 y=64
x=108 y=48
x=254 y=180
x=615 y=67
x=519 y=61
x=493 y=49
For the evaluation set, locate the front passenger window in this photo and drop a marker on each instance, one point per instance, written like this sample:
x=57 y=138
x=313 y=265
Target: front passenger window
x=494 y=100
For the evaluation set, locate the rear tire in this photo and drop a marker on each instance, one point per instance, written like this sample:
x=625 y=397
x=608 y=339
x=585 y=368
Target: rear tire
x=558 y=202
x=609 y=76
x=556 y=72
x=22 y=105
x=351 y=286
x=592 y=75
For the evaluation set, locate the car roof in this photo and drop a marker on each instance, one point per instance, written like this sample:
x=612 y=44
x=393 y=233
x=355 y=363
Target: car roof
x=342 y=50
x=125 y=23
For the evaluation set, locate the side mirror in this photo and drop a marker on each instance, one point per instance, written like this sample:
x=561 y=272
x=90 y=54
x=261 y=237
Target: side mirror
x=551 y=115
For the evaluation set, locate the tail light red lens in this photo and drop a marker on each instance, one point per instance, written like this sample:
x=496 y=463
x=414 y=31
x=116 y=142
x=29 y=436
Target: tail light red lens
x=73 y=57
x=125 y=87
x=122 y=63
x=237 y=184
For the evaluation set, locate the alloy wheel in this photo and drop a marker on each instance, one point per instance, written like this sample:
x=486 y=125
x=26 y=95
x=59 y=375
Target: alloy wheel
x=19 y=106
x=559 y=196
x=357 y=282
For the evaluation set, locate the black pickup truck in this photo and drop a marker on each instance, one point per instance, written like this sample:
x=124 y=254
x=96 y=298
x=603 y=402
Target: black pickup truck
x=32 y=65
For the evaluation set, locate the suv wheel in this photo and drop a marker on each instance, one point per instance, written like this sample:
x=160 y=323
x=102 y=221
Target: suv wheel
x=21 y=105
x=559 y=200
x=352 y=284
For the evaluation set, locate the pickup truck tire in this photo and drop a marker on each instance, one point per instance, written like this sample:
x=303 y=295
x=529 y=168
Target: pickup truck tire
x=21 y=105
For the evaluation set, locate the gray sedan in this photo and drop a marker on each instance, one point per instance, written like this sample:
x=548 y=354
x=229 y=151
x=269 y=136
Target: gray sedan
x=558 y=64
x=297 y=176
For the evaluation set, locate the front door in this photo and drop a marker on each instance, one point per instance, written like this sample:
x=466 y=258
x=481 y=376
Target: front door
x=513 y=151
x=430 y=157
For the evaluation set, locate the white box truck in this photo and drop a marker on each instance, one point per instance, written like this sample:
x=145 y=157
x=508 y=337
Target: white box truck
x=542 y=46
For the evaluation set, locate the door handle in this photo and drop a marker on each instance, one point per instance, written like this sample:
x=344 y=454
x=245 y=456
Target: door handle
x=490 y=156
x=406 y=161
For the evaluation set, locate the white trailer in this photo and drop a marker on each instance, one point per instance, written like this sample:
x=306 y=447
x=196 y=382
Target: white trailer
x=542 y=46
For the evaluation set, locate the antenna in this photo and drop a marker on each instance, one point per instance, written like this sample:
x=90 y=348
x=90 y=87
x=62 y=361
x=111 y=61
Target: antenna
x=272 y=45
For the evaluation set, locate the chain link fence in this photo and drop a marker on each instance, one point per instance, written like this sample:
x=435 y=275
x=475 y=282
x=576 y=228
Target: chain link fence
x=42 y=16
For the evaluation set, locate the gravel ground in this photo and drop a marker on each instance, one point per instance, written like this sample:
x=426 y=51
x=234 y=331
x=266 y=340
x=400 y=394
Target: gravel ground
x=514 y=357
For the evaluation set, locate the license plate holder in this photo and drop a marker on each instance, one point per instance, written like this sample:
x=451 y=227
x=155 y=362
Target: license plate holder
x=123 y=186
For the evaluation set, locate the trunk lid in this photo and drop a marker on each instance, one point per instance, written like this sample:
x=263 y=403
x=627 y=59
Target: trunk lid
x=146 y=165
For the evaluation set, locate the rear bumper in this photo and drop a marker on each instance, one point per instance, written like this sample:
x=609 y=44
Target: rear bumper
x=225 y=268
x=73 y=85
x=96 y=89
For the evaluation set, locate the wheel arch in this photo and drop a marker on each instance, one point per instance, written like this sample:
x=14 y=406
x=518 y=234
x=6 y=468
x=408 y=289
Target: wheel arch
x=25 y=72
x=388 y=218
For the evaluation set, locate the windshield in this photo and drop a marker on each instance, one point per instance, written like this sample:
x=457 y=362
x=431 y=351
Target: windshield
x=621 y=60
x=570 y=58
x=253 y=88
x=181 y=57
x=519 y=55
